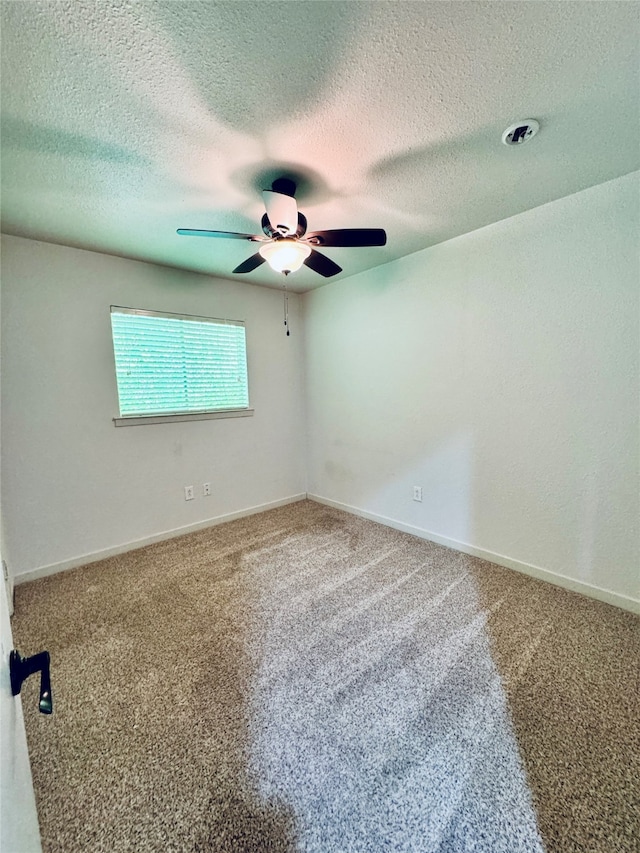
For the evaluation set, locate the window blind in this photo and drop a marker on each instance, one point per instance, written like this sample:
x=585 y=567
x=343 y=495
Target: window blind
x=175 y=364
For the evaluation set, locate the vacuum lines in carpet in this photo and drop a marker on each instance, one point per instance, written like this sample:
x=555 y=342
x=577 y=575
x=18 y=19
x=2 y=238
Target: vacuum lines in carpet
x=304 y=680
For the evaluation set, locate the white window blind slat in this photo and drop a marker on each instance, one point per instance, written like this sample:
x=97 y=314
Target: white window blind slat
x=174 y=364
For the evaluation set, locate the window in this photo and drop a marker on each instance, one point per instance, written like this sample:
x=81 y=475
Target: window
x=177 y=365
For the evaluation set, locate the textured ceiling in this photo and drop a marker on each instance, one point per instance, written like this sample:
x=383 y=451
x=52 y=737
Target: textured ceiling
x=122 y=121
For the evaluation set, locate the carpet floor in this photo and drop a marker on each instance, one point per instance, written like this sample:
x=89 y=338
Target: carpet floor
x=305 y=680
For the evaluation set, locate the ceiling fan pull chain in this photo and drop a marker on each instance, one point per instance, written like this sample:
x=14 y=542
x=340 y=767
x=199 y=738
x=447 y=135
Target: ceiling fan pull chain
x=286 y=308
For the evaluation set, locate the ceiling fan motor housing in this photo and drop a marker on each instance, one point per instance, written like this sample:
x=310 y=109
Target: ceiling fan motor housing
x=282 y=212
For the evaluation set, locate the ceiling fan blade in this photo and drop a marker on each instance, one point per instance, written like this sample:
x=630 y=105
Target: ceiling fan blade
x=348 y=237
x=250 y=264
x=302 y=225
x=195 y=232
x=282 y=212
x=322 y=264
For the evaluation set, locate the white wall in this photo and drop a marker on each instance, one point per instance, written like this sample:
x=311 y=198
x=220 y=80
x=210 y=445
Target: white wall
x=75 y=485
x=499 y=371
x=19 y=831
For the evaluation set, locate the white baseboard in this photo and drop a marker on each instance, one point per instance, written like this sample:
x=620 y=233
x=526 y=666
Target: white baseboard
x=84 y=559
x=606 y=595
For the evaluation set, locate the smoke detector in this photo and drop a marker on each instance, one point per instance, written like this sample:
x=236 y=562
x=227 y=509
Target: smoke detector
x=520 y=132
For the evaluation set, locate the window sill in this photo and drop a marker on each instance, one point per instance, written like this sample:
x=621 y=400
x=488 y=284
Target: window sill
x=138 y=420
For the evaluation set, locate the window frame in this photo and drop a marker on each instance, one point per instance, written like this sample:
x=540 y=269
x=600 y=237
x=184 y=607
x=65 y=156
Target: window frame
x=178 y=416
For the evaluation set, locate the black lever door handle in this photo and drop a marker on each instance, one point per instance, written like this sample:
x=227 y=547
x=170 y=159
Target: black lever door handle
x=21 y=668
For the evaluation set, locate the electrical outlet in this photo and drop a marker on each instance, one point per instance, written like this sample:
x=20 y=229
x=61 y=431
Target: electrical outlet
x=188 y=493
x=206 y=489
x=417 y=493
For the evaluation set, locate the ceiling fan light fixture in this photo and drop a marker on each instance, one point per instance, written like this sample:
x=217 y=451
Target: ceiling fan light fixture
x=285 y=255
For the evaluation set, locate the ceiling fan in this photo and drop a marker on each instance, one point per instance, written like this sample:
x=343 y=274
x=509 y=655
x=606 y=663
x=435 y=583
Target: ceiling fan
x=286 y=244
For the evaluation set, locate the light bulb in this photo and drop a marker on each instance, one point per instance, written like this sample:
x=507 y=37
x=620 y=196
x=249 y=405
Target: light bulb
x=285 y=255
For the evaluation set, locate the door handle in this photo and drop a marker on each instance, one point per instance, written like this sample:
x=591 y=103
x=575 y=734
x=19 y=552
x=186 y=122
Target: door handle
x=21 y=668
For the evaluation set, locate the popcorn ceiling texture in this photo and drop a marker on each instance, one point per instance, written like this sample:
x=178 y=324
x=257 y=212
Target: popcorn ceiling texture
x=304 y=680
x=123 y=121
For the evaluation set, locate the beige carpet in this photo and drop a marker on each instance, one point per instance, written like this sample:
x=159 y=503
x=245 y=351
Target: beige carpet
x=304 y=680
